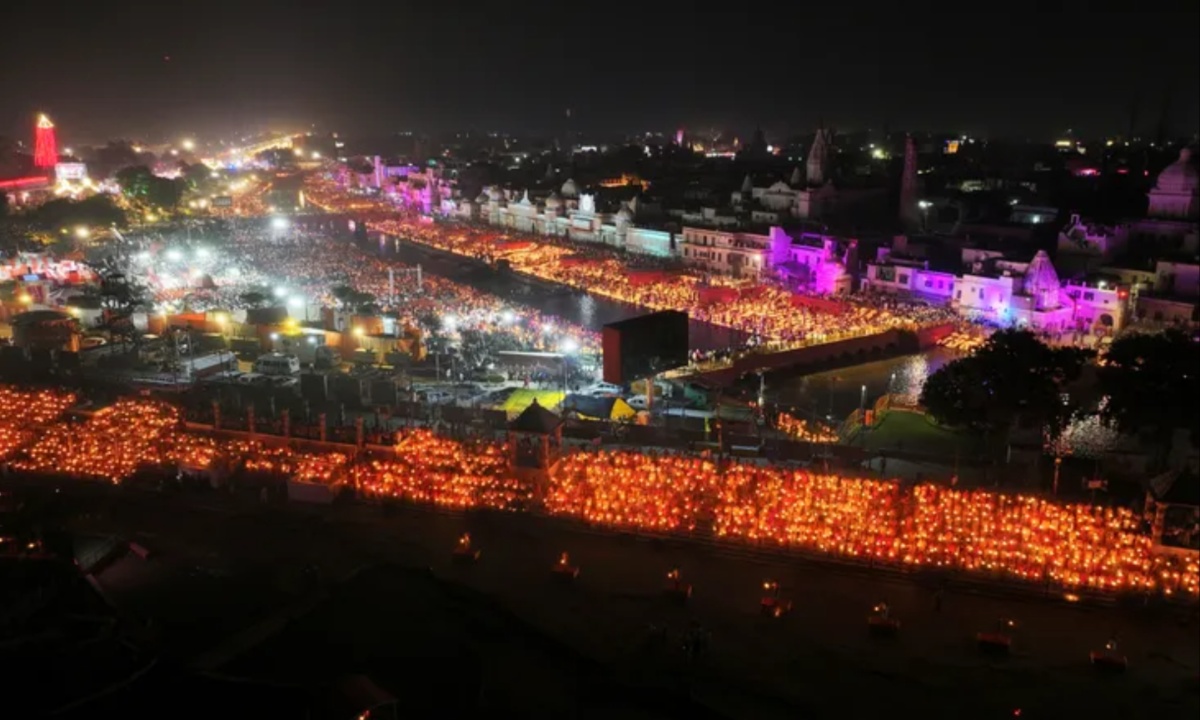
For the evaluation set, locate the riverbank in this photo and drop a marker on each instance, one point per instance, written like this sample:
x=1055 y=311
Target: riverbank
x=572 y=304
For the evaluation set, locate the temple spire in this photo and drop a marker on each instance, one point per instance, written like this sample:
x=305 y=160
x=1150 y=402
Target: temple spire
x=910 y=216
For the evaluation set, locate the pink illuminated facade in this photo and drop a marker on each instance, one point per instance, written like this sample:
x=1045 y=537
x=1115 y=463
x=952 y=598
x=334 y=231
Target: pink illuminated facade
x=1007 y=293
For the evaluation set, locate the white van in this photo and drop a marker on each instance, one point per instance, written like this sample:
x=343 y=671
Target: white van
x=277 y=364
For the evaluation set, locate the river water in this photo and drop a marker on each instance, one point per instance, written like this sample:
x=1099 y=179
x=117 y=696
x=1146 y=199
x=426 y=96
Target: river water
x=837 y=393
x=580 y=308
x=833 y=393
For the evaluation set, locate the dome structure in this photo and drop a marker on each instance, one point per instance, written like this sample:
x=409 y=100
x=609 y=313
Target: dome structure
x=1041 y=282
x=568 y=189
x=1176 y=192
x=495 y=194
x=482 y=199
x=1180 y=177
x=553 y=201
x=624 y=215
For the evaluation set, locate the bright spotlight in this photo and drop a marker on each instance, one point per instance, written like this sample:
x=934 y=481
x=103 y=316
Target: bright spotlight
x=569 y=346
x=281 y=292
x=509 y=317
x=174 y=255
x=279 y=223
x=295 y=302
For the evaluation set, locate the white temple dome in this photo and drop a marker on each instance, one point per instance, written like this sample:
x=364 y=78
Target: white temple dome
x=495 y=194
x=553 y=201
x=624 y=214
x=568 y=189
x=1041 y=282
x=1180 y=176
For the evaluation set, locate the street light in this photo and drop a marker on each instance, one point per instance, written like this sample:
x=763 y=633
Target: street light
x=82 y=232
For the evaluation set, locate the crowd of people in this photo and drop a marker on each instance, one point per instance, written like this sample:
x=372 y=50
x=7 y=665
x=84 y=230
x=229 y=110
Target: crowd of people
x=1012 y=537
x=303 y=265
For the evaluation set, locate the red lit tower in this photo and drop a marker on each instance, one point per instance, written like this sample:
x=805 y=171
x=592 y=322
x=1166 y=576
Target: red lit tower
x=45 y=147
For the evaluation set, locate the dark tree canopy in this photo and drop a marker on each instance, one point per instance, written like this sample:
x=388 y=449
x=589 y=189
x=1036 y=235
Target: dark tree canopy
x=1012 y=378
x=253 y=298
x=1152 y=385
x=117 y=154
x=139 y=183
x=92 y=211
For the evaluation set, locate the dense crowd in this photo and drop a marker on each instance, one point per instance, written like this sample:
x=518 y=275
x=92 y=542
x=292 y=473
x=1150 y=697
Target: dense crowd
x=1013 y=537
x=304 y=266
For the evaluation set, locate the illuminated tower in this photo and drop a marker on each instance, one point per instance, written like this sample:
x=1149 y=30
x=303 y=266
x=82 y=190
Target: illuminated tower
x=45 y=147
x=909 y=187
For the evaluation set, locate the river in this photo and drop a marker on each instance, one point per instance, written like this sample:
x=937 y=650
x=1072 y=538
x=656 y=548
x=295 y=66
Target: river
x=577 y=307
x=833 y=393
x=837 y=393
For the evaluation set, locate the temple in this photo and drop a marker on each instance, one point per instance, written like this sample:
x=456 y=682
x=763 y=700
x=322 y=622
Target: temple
x=1173 y=210
x=818 y=196
x=1175 y=193
x=1003 y=292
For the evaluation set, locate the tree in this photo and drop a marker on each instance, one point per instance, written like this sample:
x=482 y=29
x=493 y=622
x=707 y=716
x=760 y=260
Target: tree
x=1152 y=387
x=1012 y=379
x=92 y=211
x=195 y=175
x=135 y=181
x=116 y=155
x=165 y=193
x=253 y=298
x=344 y=294
x=138 y=183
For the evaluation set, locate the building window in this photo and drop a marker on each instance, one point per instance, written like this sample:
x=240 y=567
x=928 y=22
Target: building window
x=903 y=279
x=958 y=295
x=1089 y=296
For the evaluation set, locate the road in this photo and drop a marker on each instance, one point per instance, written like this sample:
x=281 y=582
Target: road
x=223 y=563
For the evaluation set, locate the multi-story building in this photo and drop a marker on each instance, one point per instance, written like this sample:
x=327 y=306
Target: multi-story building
x=737 y=254
x=810 y=262
x=1007 y=293
x=1095 y=242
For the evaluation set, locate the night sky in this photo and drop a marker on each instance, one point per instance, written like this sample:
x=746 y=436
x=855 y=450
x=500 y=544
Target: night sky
x=100 y=69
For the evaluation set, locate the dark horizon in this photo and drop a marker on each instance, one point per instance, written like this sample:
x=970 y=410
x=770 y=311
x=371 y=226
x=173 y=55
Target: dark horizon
x=212 y=72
